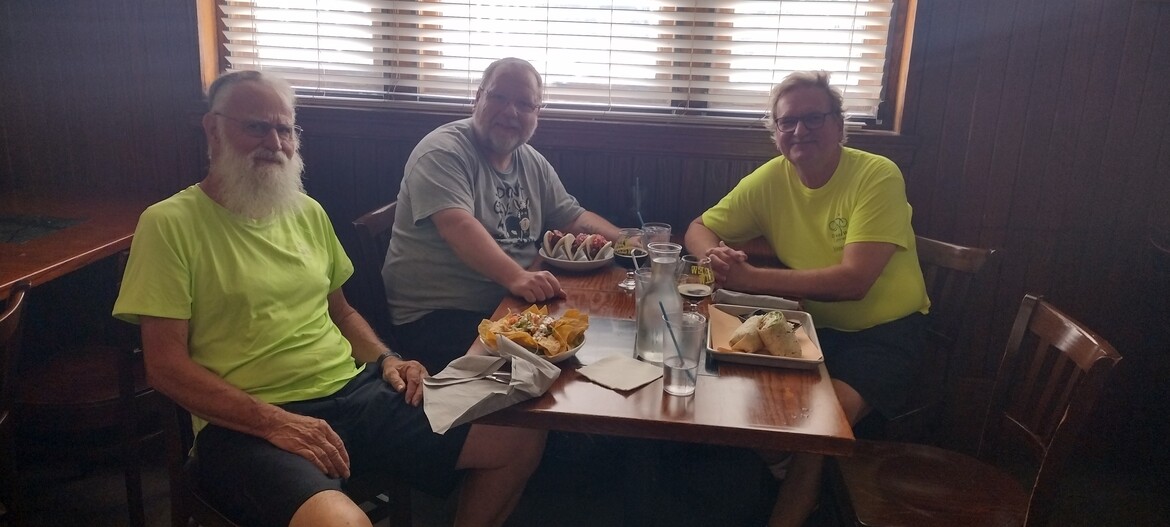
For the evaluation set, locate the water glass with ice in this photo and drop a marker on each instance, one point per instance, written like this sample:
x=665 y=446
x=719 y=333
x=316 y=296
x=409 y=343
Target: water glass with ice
x=680 y=364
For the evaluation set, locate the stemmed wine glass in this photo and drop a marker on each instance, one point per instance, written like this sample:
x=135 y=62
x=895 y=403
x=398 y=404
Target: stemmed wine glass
x=628 y=252
x=695 y=280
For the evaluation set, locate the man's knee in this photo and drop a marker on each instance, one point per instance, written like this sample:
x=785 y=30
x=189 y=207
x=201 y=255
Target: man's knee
x=329 y=508
x=852 y=402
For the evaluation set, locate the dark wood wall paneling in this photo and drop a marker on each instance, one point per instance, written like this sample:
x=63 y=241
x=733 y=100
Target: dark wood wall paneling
x=92 y=95
x=1039 y=127
x=1044 y=132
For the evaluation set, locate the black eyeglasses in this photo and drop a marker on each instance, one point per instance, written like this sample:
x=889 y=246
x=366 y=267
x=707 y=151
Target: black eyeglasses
x=811 y=121
x=260 y=129
x=522 y=106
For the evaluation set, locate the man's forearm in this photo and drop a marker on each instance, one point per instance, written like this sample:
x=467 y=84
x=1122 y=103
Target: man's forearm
x=591 y=223
x=699 y=238
x=475 y=247
x=171 y=371
x=365 y=344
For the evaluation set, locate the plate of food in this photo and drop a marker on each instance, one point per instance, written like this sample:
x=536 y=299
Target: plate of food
x=553 y=338
x=576 y=252
x=763 y=337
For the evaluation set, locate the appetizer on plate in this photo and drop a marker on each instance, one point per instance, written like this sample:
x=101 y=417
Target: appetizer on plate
x=536 y=331
x=576 y=247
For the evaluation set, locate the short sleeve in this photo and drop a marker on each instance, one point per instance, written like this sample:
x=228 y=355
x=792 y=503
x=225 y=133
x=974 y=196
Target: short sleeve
x=157 y=281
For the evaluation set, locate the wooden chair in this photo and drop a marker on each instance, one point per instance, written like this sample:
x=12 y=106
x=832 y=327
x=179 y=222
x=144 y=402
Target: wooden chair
x=92 y=403
x=1048 y=382
x=949 y=271
x=10 y=492
x=373 y=237
x=1161 y=294
x=380 y=498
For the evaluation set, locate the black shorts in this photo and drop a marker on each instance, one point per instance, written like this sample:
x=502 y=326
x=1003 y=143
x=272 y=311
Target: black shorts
x=879 y=362
x=256 y=483
x=439 y=337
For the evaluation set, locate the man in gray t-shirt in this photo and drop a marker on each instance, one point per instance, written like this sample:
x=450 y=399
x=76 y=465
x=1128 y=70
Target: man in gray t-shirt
x=474 y=203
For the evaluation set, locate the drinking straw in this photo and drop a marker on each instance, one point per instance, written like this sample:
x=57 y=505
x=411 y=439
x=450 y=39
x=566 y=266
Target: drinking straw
x=638 y=201
x=677 y=348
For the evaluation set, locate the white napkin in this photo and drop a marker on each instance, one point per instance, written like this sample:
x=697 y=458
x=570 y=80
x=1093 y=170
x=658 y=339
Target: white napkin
x=619 y=372
x=461 y=393
x=727 y=296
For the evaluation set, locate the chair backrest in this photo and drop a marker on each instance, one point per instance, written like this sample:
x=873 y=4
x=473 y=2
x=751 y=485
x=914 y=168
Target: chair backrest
x=1052 y=372
x=373 y=229
x=9 y=358
x=10 y=346
x=949 y=271
x=1161 y=292
x=373 y=238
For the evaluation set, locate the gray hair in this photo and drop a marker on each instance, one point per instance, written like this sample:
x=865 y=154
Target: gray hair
x=222 y=86
x=490 y=72
x=805 y=79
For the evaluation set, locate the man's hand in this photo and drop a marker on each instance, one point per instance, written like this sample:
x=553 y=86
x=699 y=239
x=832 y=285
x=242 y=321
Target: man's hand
x=405 y=375
x=535 y=286
x=730 y=266
x=312 y=439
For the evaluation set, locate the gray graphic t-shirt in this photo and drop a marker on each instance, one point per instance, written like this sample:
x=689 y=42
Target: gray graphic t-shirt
x=445 y=171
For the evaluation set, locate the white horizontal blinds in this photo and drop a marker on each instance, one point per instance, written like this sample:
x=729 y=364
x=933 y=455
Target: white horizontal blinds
x=683 y=56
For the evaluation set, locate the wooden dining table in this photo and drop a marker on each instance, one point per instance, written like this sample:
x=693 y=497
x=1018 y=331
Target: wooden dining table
x=50 y=234
x=733 y=404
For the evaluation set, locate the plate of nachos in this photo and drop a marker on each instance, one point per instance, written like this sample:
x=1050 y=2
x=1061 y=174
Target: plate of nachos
x=553 y=338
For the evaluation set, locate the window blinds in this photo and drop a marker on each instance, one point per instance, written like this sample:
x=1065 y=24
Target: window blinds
x=698 y=57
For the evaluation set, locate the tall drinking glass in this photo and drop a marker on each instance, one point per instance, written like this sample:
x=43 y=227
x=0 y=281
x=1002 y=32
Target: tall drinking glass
x=629 y=253
x=655 y=232
x=680 y=363
x=695 y=280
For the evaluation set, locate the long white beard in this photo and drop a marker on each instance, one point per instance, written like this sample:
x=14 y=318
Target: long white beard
x=259 y=191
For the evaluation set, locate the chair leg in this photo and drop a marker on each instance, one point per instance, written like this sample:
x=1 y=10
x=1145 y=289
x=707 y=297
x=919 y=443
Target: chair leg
x=132 y=461
x=134 y=502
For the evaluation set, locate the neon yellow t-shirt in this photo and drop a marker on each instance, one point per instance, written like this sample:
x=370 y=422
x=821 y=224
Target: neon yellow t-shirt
x=864 y=201
x=254 y=293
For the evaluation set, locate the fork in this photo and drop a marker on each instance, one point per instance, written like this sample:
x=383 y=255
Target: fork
x=500 y=377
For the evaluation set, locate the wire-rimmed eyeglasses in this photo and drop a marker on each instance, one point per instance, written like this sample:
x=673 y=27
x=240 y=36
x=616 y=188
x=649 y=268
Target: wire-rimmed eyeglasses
x=521 y=105
x=811 y=121
x=260 y=129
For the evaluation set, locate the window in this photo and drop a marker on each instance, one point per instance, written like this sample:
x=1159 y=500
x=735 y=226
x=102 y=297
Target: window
x=703 y=58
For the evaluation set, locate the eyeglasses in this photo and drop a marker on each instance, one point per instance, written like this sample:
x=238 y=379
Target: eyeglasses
x=260 y=129
x=811 y=121
x=521 y=106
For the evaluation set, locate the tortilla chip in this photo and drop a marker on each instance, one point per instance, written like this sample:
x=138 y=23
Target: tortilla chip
x=567 y=331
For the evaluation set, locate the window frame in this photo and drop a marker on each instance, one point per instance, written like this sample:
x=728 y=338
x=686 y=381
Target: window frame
x=213 y=55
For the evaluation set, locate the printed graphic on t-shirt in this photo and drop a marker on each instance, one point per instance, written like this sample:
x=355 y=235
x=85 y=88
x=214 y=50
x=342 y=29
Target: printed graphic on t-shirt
x=839 y=227
x=511 y=207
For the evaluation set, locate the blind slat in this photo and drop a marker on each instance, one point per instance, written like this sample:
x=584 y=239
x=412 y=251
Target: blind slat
x=642 y=55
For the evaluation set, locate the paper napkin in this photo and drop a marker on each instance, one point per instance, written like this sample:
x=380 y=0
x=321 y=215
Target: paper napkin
x=727 y=296
x=619 y=372
x=462 y=393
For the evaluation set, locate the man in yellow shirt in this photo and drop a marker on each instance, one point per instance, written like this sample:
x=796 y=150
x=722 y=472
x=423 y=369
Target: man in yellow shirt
x=839 y=221
x=236 y=282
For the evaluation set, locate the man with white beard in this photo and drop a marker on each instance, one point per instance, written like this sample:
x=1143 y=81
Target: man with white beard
x=236 y=282
x=474 y=202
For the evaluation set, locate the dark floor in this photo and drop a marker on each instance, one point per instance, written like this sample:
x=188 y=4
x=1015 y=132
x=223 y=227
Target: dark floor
x=594 y=481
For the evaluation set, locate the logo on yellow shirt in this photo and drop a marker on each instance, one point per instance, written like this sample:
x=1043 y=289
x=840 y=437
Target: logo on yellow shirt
x=839 y=227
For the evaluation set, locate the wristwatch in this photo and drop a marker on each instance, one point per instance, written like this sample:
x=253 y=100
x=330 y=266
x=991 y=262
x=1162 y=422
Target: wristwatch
x=386 y=354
